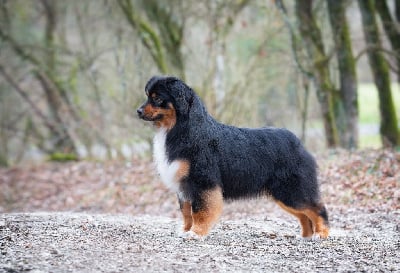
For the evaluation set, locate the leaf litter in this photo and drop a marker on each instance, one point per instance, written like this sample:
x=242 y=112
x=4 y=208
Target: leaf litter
x=367 y=179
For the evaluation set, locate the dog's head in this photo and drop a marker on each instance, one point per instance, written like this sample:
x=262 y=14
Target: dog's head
x=168 y=99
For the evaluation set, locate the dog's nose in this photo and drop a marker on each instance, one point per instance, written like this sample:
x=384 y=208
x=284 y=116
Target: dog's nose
x=140 y=111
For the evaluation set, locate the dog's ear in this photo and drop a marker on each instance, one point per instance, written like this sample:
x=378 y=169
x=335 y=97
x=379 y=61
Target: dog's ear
x=183 y=95
x=152 y=82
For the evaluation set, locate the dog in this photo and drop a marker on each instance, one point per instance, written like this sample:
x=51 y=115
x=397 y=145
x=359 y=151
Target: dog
x=206 y=162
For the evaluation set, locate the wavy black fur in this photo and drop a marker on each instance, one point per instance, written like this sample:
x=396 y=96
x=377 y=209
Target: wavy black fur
x=243 y=162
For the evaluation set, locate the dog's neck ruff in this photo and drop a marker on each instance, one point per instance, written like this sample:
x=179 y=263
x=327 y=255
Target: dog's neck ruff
x=165 y=168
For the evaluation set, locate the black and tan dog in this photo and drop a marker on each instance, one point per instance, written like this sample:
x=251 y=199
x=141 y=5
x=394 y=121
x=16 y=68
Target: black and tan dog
x=205 y=162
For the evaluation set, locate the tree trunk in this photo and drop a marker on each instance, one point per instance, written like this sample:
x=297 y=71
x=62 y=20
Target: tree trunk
x=380 y=71
x=44 y=69
x=312 y=38
x=63 y=142
x=346 y=108
x=391 y=30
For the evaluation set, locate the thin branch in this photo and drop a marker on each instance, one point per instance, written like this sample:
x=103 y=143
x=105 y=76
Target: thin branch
x=149 y=38
x=281 y=7
x=375 y=48
x=25 y=96
x=18 y=49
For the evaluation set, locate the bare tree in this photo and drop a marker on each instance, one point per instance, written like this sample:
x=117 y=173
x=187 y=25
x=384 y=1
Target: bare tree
x=162 y=35
x=346 y=108
x=318 y=69
x=44 y=70
x=391 y=30
x=380 y=70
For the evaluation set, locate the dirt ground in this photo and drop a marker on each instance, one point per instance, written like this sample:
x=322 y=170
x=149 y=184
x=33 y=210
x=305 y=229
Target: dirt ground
x=117 y=217
x=78 y=242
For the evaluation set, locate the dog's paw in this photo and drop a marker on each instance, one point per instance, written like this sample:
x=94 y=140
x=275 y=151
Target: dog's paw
x=307 y=238
x=181 y=232
x=321 y=235
x=191 y=235
x=316 y=237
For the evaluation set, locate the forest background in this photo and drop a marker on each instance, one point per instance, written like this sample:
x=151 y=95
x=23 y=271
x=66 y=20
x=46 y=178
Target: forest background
x=72 y=73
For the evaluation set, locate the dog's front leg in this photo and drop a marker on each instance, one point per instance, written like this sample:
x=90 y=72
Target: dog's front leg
x=206 y=210
x=186 y=209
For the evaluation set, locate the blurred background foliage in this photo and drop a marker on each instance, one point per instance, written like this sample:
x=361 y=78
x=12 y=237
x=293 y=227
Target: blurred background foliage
x=72 y=73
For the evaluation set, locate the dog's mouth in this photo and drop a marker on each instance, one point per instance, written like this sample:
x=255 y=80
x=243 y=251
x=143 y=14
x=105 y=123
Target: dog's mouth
x=160 y=117
x=150 y=118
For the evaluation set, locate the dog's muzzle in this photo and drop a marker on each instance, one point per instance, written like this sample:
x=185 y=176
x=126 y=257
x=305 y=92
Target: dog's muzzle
x=140 y=112
x=142 y=115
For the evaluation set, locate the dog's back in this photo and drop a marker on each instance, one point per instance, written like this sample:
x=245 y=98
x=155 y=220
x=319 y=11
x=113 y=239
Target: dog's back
x=266 y=161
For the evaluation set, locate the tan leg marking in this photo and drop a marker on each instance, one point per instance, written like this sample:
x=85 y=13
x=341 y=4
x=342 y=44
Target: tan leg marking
x=187 y=216
x=206 y=218
x=305 y=222
x=318 y=222
x=182 y=172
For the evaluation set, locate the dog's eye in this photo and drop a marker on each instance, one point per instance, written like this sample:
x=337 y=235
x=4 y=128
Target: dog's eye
x=158 y=101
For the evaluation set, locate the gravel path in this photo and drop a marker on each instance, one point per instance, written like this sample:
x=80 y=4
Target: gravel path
x=95 y=222
x=78 y=242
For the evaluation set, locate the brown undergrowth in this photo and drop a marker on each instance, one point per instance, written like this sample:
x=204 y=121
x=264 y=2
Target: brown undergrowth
x=367 y=179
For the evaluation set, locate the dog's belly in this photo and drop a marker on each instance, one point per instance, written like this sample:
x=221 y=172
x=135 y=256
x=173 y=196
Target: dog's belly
x=170 y=172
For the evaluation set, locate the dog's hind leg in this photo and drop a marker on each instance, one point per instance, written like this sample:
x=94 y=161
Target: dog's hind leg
x=206 y=210
x=186 y=209
x=305 y=222
x=319 y=218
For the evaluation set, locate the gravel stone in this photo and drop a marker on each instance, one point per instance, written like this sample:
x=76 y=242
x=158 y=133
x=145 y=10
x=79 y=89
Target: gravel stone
x=79 y=242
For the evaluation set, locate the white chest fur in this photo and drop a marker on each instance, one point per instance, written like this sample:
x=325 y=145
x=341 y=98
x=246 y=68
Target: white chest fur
x=167 y=170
